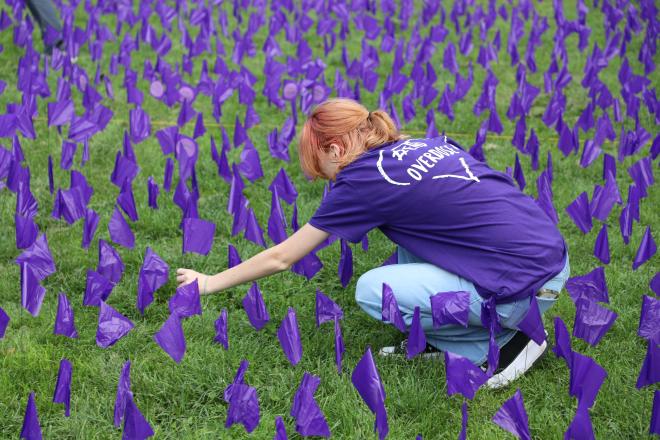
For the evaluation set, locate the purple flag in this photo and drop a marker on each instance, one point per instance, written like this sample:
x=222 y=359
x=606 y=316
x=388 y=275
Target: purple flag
x=580 y=427
x=276 y=220
x=253 y=231
x=390 y=309
x=39 y=258
x=136 y=426
x=233 y=258
x=462 y=376
x=450 y=308
x=591 y=286
x=198 y=235
x=167 y=177
x=585 y=380
x=562 y=346
x=289 y=337
x=326 y=309
x=89 y=227
x=186 y=301
x=310 y=420
x=345 y=263
x=647 y=249
x=120 y=231
x=32 y=292
x=532 y=324
x=649 y=320
x=416 y=337
x=280 y=429
x=518 y=174
x=255 y=307
x=153 y=275
x=4 y=322
x=512 y=417
x=655 y=414
x=64 y=321
x=642 y=173
x=285 y=187
x=171 y=339
x=602 y=246
x=366 y=381
x=98 y=288
x=63 y=386
x=126 y=200
x=31 y=429
x=339 y=345
x=592 y=320
x=650 y=372
x=123 y=390
x=110 y=264
x=112 y=326
x=243 y=401
x=152 y=190
x=221 y=335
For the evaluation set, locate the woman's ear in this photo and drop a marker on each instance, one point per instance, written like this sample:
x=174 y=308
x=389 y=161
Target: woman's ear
x=336 y=150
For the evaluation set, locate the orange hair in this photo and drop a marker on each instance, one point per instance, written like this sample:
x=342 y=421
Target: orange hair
x=347 y=123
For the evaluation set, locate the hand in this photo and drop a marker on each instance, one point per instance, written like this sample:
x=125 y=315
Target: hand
x=187 y=276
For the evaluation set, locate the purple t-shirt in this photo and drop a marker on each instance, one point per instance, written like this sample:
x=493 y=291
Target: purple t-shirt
x=431 y=197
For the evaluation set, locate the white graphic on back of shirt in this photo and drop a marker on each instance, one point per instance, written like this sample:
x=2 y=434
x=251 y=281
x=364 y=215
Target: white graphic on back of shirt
x=423 y=164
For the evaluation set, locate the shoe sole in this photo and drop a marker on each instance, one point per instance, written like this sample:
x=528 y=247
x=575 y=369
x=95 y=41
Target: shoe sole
x=523 y=362
x=389 y=351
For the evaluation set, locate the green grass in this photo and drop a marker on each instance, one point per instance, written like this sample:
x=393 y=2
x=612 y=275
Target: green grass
x=185 y=401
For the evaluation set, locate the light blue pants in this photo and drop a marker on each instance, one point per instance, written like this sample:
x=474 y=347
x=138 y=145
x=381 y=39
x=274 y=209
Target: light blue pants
x=414 y=280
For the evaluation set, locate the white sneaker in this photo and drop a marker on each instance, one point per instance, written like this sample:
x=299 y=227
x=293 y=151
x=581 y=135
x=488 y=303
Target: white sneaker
x=516 y=364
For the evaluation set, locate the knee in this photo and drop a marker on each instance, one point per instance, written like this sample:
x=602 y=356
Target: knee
x=368 y=289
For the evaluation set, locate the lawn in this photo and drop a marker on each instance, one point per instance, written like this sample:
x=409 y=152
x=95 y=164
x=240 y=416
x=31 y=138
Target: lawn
x=186 y=400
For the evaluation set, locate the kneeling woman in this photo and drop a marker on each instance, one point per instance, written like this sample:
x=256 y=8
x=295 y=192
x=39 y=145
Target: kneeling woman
x=459 y=226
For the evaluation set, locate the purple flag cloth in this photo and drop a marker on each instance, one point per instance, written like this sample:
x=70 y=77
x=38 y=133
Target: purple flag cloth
x=532 y=324
x=186 y=301
x=243 y=401
x=654 y=284
x=579 y=212
x=39 y=258
x=120 y=231
x=326 y=309
x=63 y=386
x=112 y=326
x=649 y=320
x=580 y=427
x=310 y=420
x=126 y=200
x=416 y=337
x=591 y=286
x=345 y=263
x=647 y=249
x=89 y=228
x=655 y=414
x=110 y=263
x=221 y=335
x=339 y=345
x=642 y=173
x=512 y=417
x=462 y=376
x=31 y=429
x=390 y=309
x=255 y=307
x=562 y=346
x=198 y=235
x=32 y=292
x=167 y=175
x=136 y=426
x=464 y=421
x=650 y=372
x=4 y=322
x=153 y=275
x=171 y=339
x=602 y=246
x=276 y=220
x=366 y=381
x=97 y=289
x=253 y=231
x=585 y=380
x=604 y=198
x=592 y=321
x=51 y=183
x=153 y=190
x=450 y=308
x=280 y=429
x=123 y=390
x=285 y=187
x=64 y=321
x=233 y=257
x=26 y=231
x=289 y=337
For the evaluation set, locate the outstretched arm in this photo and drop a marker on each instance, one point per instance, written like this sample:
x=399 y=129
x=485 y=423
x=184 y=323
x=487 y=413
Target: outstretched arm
x=267 y=262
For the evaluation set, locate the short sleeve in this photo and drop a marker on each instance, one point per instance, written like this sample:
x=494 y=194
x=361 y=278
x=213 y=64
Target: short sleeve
x=345 y=213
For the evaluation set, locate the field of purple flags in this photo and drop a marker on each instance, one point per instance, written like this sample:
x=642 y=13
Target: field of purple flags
x=163 y=135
